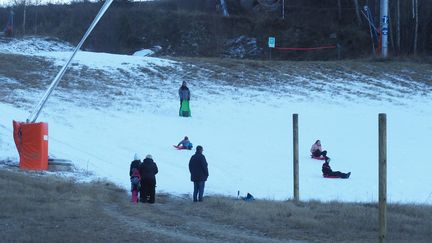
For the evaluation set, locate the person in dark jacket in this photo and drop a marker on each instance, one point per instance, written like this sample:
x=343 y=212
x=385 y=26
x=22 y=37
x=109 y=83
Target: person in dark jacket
x=184 y=93
x=148 y=171
x=199 y=173
x=328 y=172
x=135 y=177
x=135 y=164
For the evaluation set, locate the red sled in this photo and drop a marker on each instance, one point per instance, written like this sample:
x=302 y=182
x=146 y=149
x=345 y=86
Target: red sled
x=318 y=158
x=180 y=147
x=331 y=177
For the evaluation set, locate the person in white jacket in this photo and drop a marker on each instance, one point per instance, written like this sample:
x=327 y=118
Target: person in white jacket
x=316 y=150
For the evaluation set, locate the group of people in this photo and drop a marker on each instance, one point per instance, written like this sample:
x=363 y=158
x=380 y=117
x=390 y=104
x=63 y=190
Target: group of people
x=143 y=177
x=318 y=153
x=143 y=174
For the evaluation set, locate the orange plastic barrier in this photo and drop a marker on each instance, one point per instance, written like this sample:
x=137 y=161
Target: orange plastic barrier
x=31 y=140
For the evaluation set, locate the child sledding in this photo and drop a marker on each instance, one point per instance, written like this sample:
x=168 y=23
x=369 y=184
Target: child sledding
x=317 y=152
x=329 y=173
x=184 y=144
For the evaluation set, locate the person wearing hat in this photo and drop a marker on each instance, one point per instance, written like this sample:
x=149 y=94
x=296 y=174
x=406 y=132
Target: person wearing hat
x=148 y=171
x=329 y=173
x=135 y=164
x=135 y=177
x=198 y=169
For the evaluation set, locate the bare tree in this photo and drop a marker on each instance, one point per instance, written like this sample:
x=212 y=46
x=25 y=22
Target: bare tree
x=391 y=32
x=36 y=4
x=224 y=8
x=398 y=31
x=24 y=17
x=339 y=10
x=416 y=10
x=357 y=10
x=22 y=3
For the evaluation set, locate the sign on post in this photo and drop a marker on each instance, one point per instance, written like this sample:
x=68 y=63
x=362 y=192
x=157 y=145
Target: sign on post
x=271 y=42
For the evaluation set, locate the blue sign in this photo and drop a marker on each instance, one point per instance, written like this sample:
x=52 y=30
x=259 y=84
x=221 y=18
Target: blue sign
x=271 y=42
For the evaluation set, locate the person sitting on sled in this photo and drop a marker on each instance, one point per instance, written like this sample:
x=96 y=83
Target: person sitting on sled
x=185 y=143
x=329 y=173
x=135 y=177
x=317 y=151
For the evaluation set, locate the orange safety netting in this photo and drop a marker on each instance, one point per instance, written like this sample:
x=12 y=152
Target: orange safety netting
x=305 y=48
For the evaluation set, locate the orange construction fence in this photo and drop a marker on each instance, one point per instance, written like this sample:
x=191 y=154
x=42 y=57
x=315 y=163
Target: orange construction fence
x=31 y=140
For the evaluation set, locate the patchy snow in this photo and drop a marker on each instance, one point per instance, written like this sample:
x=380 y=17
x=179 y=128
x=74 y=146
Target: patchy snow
x=33 y=45
x=108 y=62
x=60 y=52
x=246 y=132
x=144 y=53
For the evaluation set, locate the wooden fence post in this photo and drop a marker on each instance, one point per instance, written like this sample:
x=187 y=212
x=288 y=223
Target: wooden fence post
x=382 y=143
x=295 y=157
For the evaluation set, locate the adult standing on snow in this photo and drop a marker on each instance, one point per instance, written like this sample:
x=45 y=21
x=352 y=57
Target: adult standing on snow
x=199 y=173
x=316 y=150
x=184 y=95
x=148 y=171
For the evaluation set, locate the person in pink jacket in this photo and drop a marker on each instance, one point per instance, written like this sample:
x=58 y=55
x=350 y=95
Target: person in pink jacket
x=316 y=150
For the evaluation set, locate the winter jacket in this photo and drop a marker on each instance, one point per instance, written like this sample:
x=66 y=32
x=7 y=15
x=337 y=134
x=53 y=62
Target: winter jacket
x=184 y=143
x=315 y=147
x=198 y=167
x=326 y=169
x=148 y=169
x=134 y=164
x=184 y=93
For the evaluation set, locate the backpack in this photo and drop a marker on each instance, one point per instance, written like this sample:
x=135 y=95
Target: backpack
x=135 y=178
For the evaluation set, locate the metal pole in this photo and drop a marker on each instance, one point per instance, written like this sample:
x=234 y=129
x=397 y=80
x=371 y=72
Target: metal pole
x=384 y=27
x=382 y=143
x=34 y=115
x=296 y=157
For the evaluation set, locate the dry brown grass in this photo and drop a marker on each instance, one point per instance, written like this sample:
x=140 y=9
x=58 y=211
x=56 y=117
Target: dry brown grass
x=50 y=209
x=41 y=208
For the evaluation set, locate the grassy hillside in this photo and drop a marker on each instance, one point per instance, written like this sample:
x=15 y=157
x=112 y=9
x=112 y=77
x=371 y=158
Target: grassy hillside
x=48 y=208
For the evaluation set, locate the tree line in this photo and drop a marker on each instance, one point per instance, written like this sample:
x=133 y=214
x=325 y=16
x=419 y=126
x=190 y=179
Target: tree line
x=175 y=24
